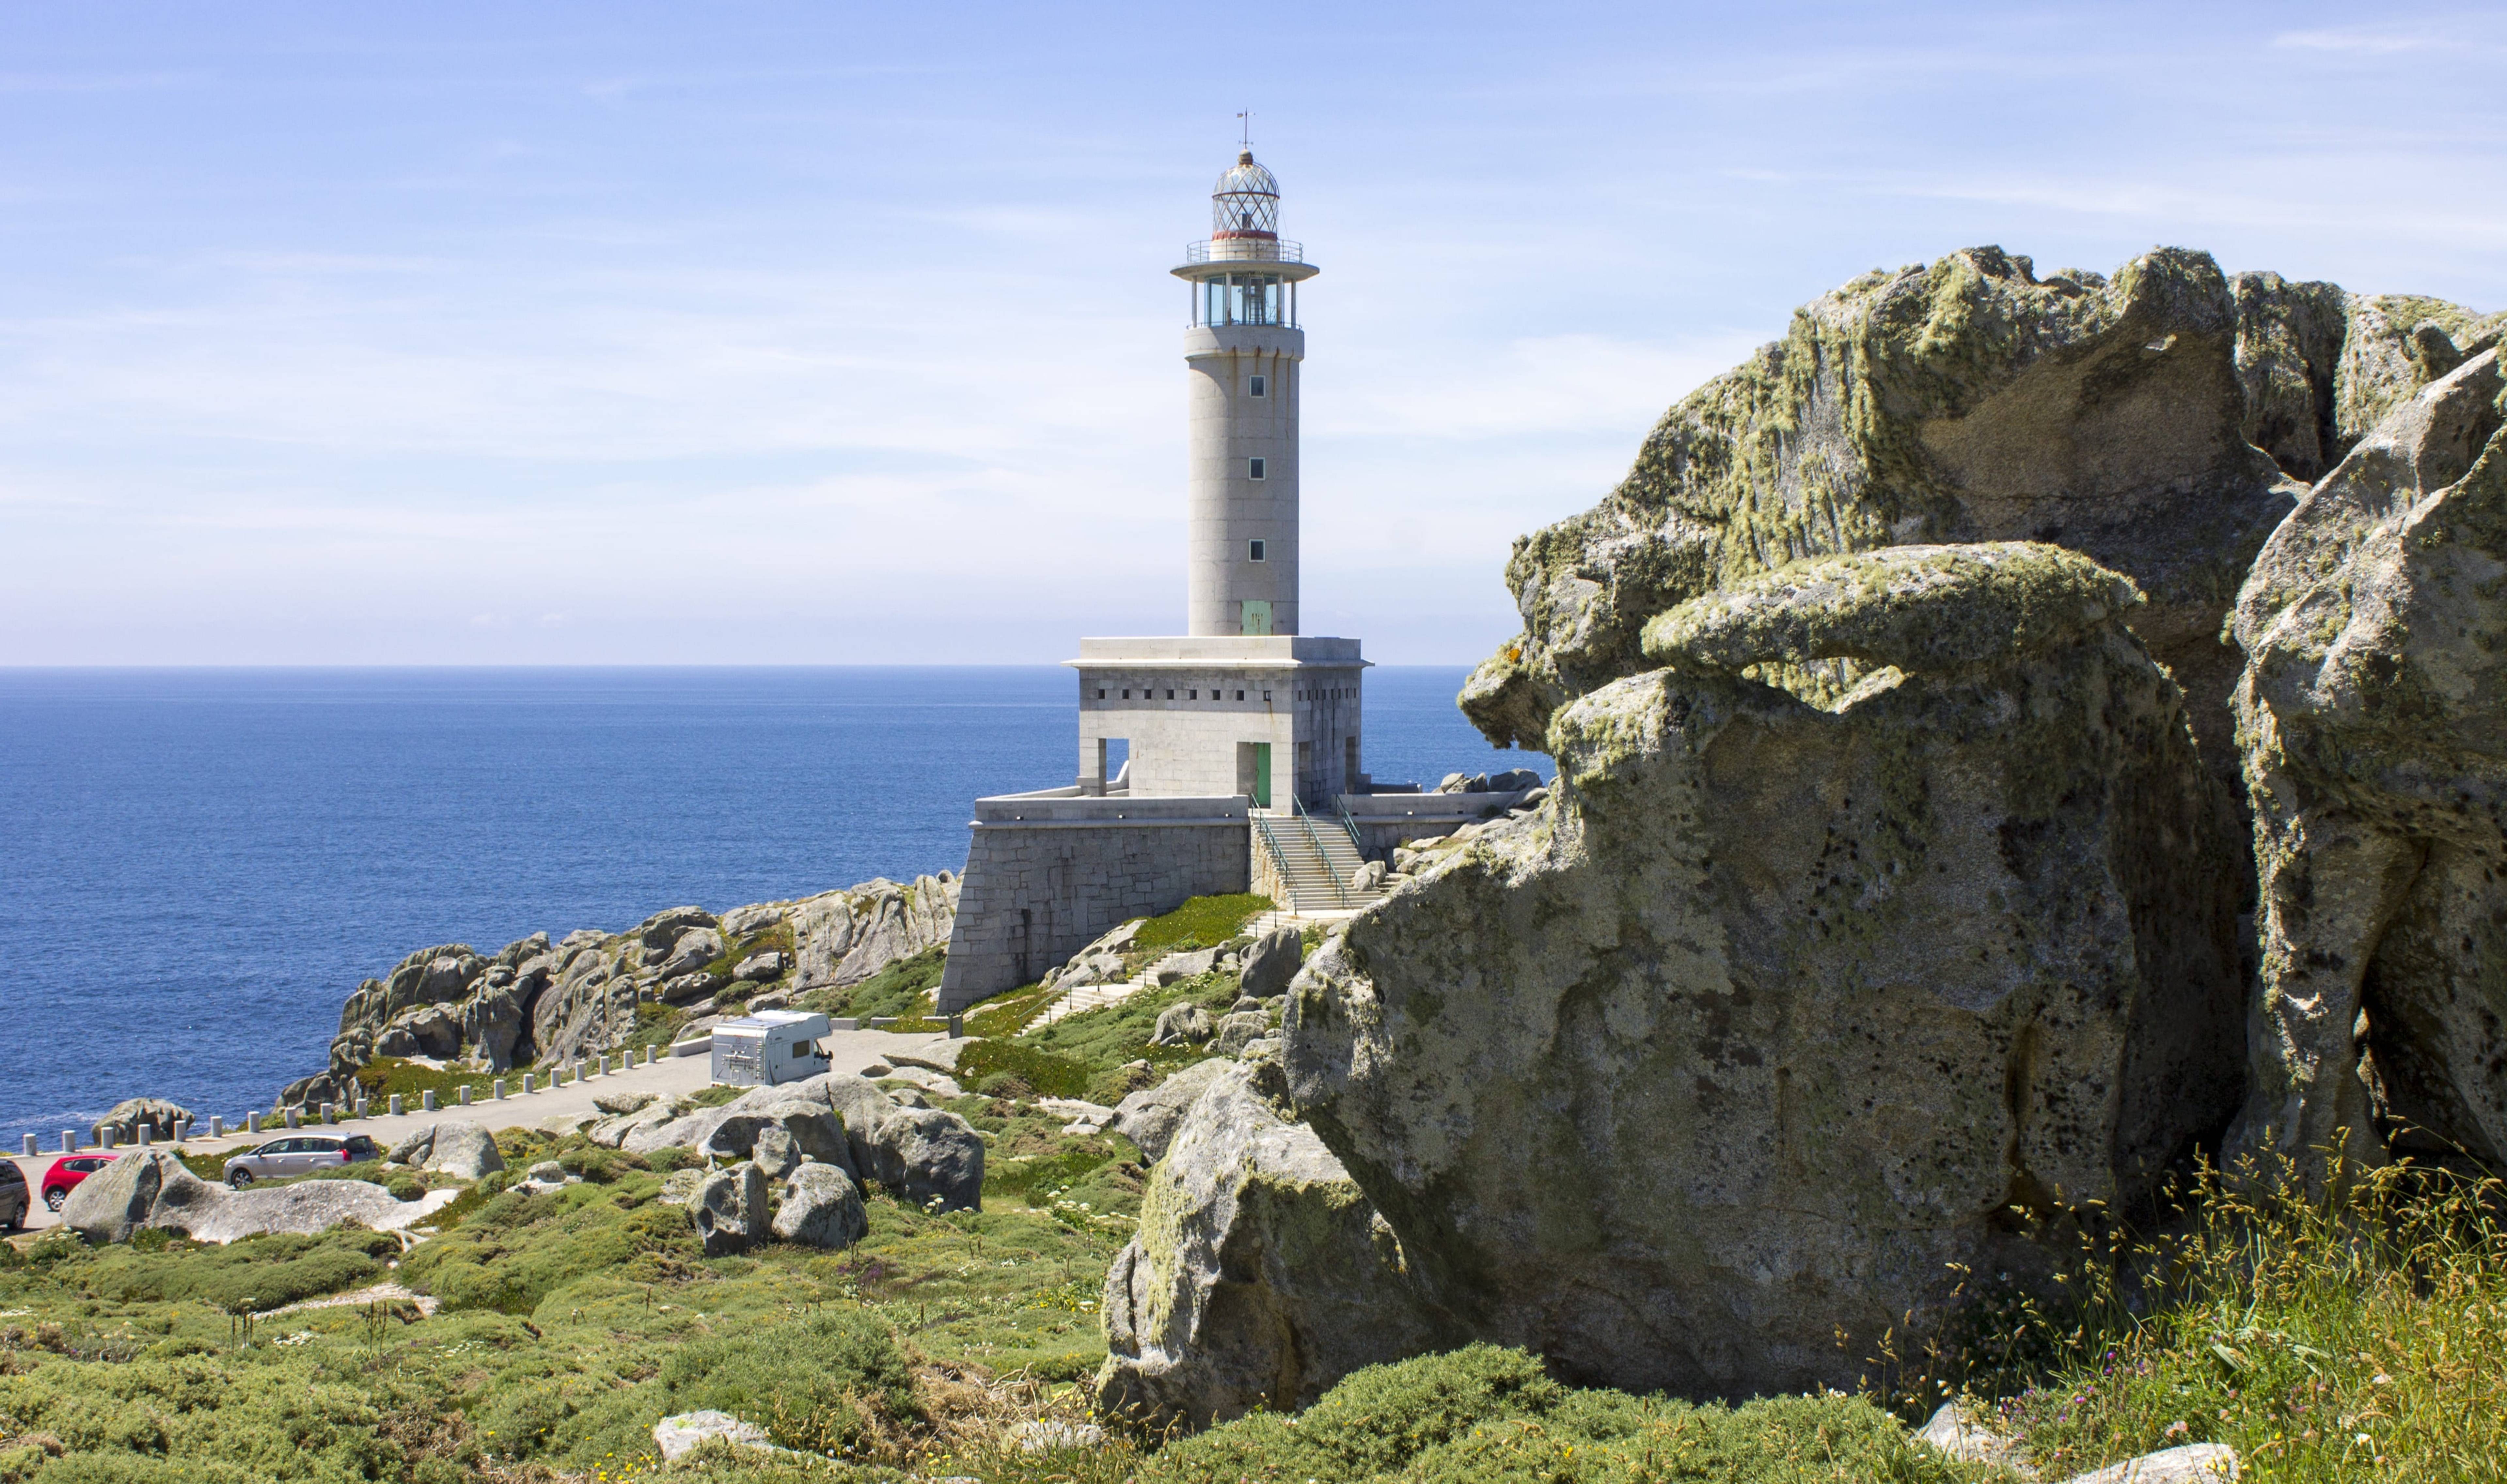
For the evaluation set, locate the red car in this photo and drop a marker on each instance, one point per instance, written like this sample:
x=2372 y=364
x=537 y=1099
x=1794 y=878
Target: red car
x=67 y=1171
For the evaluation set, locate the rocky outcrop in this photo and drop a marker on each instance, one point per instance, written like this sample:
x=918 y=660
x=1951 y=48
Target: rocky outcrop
x=2374 y=709
x=1271 y=962
x=729 y=1210
x=150 y=1190
x=541 y=1004
x=927 y=1156
x=124 y=1121
x=1790 y=994
x=1150 y=1117
x=1971 y=400
x=821 y=1208
x=455 y=1146
x=1260 y=1275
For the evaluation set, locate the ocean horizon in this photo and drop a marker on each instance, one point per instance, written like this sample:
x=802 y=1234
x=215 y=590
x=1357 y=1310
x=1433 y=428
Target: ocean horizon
x=203 y=863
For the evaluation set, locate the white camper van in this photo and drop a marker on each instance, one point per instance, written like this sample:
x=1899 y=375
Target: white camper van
x=769 y=1047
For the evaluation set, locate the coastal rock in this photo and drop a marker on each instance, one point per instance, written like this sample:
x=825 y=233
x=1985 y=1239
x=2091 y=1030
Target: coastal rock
x=1259 y=1277
x=2373 y=707
x=843 y=937
x=1235 y=1031
x=1968 y=400
x=688 y=1431
x=803 y=1116
x=775 y=1152
x=762 y=968
x=695 y=949
x=455 y=1146
x=1680 y=1080
x=729 y=1210
x=1181 y=1024
x=150 y=1190
x=820 y=1209
x=162 y=1117
x=1271 y=962
x=1150 y=1117
x=929 y=1158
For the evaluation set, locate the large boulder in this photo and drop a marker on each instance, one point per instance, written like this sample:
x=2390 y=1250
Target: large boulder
x=1967 y=399
x=150 y=1190
x=124 y=1119
x=821 y=1208
x=1788 y=1000
x=1181 y=1024
x=2374 y=709
x=1272 y=962
x=929 y=1158
x=1150 y=1117
x=729 y=1210
x=801 y=1114
x=845 y=937
x=1260 y=1275
x=112 y=1203
x=455 y=1146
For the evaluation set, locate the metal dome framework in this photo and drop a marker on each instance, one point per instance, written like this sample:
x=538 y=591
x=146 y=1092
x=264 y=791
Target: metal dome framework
x=1245 y=203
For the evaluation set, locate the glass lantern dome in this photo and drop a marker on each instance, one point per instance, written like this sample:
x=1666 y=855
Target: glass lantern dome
x=1246 y=203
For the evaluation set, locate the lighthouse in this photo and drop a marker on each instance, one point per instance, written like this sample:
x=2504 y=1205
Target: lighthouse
x=1243 y=349
x=1244 y=703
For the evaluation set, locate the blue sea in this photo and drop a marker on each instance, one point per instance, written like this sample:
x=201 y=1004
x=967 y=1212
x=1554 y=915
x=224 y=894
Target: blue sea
x=197 y=866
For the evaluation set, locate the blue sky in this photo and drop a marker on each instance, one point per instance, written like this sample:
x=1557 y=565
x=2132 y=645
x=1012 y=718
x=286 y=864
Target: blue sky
x=794 y=333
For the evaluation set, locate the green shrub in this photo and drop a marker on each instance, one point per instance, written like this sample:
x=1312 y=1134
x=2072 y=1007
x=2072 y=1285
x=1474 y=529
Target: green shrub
x=517 y=1250
x=1482 y=1414
x=903 y=989
x=1204 y=922
x=1047 y=1074
x=265 y=1271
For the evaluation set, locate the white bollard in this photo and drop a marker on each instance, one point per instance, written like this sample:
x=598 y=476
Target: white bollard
x=578 y=1069
x=252 y=1123
x=497 y=1090
x=31 y=1150
x=295 y=1117
x=105 y=1139
x=395 y=1105
x=466 y=1094
x=330 y=1112
x=146 y=1130
x=217 y=1126
x=526 y=1083
x=427 y=1100
x=69 y=1140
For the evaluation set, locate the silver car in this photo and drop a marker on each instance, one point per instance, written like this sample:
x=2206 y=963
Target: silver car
x=299 y=1154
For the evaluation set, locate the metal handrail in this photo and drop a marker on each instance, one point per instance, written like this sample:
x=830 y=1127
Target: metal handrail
x=1340 y=888
x=1349 y=822
x=1244 y=250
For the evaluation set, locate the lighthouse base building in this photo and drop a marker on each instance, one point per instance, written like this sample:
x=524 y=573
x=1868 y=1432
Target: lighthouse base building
x=1241 y=740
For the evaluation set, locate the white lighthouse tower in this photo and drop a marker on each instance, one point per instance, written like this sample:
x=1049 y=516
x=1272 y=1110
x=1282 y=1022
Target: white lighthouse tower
x=1244 y=703
x=1244 y=348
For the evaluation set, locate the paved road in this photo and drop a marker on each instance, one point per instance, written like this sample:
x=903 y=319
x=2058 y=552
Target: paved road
x=848 y=1051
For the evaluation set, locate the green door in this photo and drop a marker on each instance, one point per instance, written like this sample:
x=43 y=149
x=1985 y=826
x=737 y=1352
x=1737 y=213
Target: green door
x=1262 y=775
x=1258 y=616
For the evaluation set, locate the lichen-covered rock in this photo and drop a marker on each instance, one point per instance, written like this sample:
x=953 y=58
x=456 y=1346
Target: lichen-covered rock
x=1150 y=1117
x=929 y=1158
x=2374 y=711
x=455 y=1146
x=150 y=1190
x=1181 y=1024
x=776 y=1154
x=114 y=1201
x=1236 y=1031
x=535 y=1002
x=1779 y=1005
x=124 y=1118
x=821 y=1208
x=1964 y=401
x=729 y=1210
x=1260 y=1276
x=1272 y=962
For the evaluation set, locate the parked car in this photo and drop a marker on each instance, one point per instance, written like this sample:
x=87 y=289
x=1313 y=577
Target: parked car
x=14 y=1198
x=67 y=1171
x=299 y=1154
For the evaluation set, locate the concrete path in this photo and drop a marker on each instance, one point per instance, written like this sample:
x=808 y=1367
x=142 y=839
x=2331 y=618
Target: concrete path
x=849 y=1051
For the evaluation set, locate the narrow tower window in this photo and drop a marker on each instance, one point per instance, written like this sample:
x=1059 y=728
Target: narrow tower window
x=1253 y=468
x=1258 y=550
x=1261 y=387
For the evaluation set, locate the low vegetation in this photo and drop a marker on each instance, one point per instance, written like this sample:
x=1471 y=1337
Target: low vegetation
x=2358 y=1334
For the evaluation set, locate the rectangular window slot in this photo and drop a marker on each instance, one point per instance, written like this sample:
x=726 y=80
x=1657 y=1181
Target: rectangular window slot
x=1260 y=387
x=1253 y=468
x=1258 y=550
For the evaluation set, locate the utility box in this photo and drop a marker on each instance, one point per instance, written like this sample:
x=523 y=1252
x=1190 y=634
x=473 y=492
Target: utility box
x=769 y=1047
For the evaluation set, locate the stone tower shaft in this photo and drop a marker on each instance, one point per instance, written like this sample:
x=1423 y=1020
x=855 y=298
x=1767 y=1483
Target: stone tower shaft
x=1242 y=351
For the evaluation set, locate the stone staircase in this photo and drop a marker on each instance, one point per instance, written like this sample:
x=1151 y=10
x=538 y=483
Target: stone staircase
x=1090 y=996
x=1317 y=864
